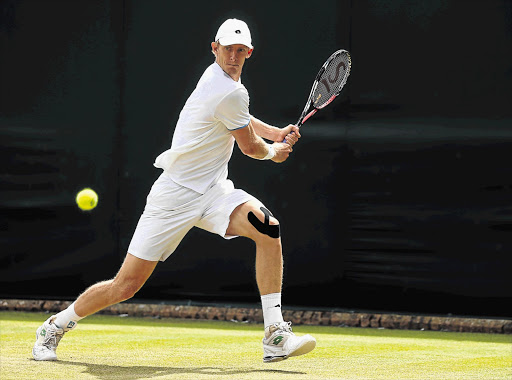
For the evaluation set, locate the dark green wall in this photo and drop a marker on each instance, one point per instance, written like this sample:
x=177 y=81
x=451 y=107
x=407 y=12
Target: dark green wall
x=397 y=197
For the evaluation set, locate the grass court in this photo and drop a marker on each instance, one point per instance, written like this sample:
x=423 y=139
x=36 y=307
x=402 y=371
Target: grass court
x=110 y=347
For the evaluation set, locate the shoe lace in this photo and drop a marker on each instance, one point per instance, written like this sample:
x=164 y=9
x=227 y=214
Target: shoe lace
x=53 y=337
x=284 y=326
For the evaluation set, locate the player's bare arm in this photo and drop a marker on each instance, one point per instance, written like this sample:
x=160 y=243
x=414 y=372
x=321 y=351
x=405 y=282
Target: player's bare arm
x=254 y=146
x=272 y=133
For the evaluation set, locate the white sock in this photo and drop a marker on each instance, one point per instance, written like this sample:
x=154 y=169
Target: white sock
x=67 y=318
x=271 y=305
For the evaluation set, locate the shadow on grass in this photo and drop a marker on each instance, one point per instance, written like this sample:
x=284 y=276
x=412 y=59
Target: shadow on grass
x=105 y=371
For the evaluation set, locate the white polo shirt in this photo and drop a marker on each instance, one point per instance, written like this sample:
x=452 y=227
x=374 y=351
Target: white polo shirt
x=202 y=144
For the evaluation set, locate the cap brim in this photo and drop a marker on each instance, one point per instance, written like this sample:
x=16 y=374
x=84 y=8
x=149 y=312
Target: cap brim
x=225 y=41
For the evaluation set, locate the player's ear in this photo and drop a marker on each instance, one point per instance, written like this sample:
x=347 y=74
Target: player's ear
x=249 y=53
x=215 y=47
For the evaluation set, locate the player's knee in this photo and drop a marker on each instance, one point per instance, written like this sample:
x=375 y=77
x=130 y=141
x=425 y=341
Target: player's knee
x=126 y=290
x=265 y=224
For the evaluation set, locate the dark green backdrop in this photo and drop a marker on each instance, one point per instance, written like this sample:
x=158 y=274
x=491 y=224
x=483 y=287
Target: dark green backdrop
x=398 y=196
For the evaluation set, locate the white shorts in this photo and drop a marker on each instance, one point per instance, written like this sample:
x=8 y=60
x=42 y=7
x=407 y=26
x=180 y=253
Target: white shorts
x=172 y=210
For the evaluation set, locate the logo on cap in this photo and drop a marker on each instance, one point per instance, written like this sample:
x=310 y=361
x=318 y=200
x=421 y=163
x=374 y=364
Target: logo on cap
x=238 y=31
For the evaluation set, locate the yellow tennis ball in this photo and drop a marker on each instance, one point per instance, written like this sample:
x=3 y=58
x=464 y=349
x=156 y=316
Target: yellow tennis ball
x=87 y=199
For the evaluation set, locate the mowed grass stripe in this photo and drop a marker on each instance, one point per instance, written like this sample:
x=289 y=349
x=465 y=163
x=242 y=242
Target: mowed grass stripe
x=109 y=347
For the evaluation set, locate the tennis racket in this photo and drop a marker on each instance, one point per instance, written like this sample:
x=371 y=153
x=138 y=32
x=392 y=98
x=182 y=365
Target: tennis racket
x=327 y=85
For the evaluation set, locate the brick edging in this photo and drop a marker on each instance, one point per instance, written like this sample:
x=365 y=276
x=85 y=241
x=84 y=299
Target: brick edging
x=297 y=317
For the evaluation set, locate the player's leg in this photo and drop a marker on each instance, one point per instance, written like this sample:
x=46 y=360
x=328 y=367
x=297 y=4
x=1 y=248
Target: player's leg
x=133 y=274
x=231 y=212
x=269 y=257
x=254 y=221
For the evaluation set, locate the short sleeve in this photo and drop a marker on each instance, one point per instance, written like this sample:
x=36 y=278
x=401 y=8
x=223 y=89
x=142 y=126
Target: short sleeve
x=233 y=109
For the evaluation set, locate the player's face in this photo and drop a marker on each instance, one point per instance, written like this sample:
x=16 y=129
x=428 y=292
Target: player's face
x=231 y=58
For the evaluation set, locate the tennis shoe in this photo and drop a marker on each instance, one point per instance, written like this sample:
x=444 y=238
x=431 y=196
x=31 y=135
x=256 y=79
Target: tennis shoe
x=280 y=343
x=48 y=337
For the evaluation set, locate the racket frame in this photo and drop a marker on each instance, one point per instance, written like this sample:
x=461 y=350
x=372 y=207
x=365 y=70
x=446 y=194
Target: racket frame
x=305 y=115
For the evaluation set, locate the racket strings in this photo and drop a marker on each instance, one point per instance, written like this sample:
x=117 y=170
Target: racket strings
x=332 y=79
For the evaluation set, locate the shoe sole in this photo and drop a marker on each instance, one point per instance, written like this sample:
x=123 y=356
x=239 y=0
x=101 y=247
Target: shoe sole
x=51 y=359
x=304 y=349
x=274 y=359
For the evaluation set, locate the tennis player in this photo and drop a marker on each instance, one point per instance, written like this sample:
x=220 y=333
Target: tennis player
x=194 y=191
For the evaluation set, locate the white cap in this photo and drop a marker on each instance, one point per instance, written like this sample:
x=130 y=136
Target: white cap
x=234 y=31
